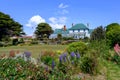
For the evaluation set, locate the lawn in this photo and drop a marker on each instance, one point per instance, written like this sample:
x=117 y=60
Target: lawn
x=34 y=49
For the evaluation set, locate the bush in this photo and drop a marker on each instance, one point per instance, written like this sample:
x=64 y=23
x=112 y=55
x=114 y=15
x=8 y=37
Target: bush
x=101 y=48
x=80 y=47
x=18 y=69
x=5 y=44
x=47 y=57
x=116 y=59
x=34 y=42
x=88 y=65
x=15 y=42
x=12 y=69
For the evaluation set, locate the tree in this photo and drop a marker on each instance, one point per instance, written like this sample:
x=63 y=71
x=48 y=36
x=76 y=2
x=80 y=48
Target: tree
x=112 y=26
x=113 y=34
x=9 y=27
x=42 y=29
x=98 y=34
x=59 y=36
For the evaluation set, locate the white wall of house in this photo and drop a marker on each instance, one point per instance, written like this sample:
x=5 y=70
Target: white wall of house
x=79 y=33
x=76 y=34
x=70 y=31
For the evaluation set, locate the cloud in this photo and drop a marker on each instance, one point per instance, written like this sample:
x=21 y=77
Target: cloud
x=62 y=6
x=57 y=23
x=64 y=11
x=53 y=19
x=34 y=21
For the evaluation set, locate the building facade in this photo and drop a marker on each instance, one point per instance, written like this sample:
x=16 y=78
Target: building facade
x=77 y=31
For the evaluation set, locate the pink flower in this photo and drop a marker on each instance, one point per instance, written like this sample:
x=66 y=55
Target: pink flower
x=117 y=48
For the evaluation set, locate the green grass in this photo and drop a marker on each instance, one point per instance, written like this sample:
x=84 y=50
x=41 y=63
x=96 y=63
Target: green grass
x=113 y=71
x=34 y=49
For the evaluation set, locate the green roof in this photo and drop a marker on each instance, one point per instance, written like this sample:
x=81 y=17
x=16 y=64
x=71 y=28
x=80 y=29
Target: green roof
x=60 y=31
x=78 y=26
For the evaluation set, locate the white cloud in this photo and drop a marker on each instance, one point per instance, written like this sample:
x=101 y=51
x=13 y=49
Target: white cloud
x=34 y=21
x=64 y=11
x=62 y=19
x=57 y=23
x=62 y=6
x=56 y=26
x=53 y=19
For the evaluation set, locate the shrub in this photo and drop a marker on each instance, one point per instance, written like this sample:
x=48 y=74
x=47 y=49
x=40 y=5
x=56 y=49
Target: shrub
x=80 y=47
x=15 y=42
x=47 y=57
x=88 y=65
x=12 y=69
x=18 y=69
x=116 y=59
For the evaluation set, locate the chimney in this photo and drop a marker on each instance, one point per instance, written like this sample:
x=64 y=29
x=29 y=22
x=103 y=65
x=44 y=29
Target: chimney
x=87 y=24
x=72 y=24
x=64 y=28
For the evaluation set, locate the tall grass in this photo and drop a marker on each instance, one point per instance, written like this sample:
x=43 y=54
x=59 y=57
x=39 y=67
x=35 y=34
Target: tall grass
x=34 y=49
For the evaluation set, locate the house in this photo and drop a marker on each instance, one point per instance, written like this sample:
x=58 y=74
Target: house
x=77 y=31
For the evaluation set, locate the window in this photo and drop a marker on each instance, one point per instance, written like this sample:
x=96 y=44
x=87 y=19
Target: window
x=73 y=30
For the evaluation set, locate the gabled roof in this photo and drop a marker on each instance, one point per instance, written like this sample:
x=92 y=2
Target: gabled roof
x=78 y=26
x=60 y=31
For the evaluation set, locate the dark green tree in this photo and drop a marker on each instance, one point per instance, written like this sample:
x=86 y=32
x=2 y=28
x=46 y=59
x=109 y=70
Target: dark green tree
x=42 y=29
x=9 y=27
x=112 y=26
x=98 y=34
x=113 y=34
x=59 y=36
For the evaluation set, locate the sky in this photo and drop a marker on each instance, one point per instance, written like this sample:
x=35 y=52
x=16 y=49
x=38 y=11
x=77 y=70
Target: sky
x=58 y=13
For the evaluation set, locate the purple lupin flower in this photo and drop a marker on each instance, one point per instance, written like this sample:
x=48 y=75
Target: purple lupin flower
x=64 y=57
x=27 y=54
x=53 y=64
x=77 y=55
x=61 y=58
x=72 y=62
x=72 y=54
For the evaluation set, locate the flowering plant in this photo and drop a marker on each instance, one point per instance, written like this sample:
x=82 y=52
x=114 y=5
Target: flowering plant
x=117 y=49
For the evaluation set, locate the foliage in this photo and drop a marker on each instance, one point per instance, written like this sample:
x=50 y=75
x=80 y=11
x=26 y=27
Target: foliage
x=5 y=44
x=17 y=69
x=68 y=38
x=80 y=47
x=47 y=57
x=43 y=28
x=59 y=36
x=34 y=41
x=89 y=64
x=21 y=41
x=113 y=34
x=9 y=27
x=14 y=41
x=112 y=26
x=98 y=34
x=116 y=59
x=101 y=48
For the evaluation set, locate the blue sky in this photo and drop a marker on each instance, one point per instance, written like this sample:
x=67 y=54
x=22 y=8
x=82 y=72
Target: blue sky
x=61 y=12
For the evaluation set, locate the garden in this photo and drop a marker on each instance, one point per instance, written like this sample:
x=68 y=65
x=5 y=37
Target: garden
x=76 y=61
